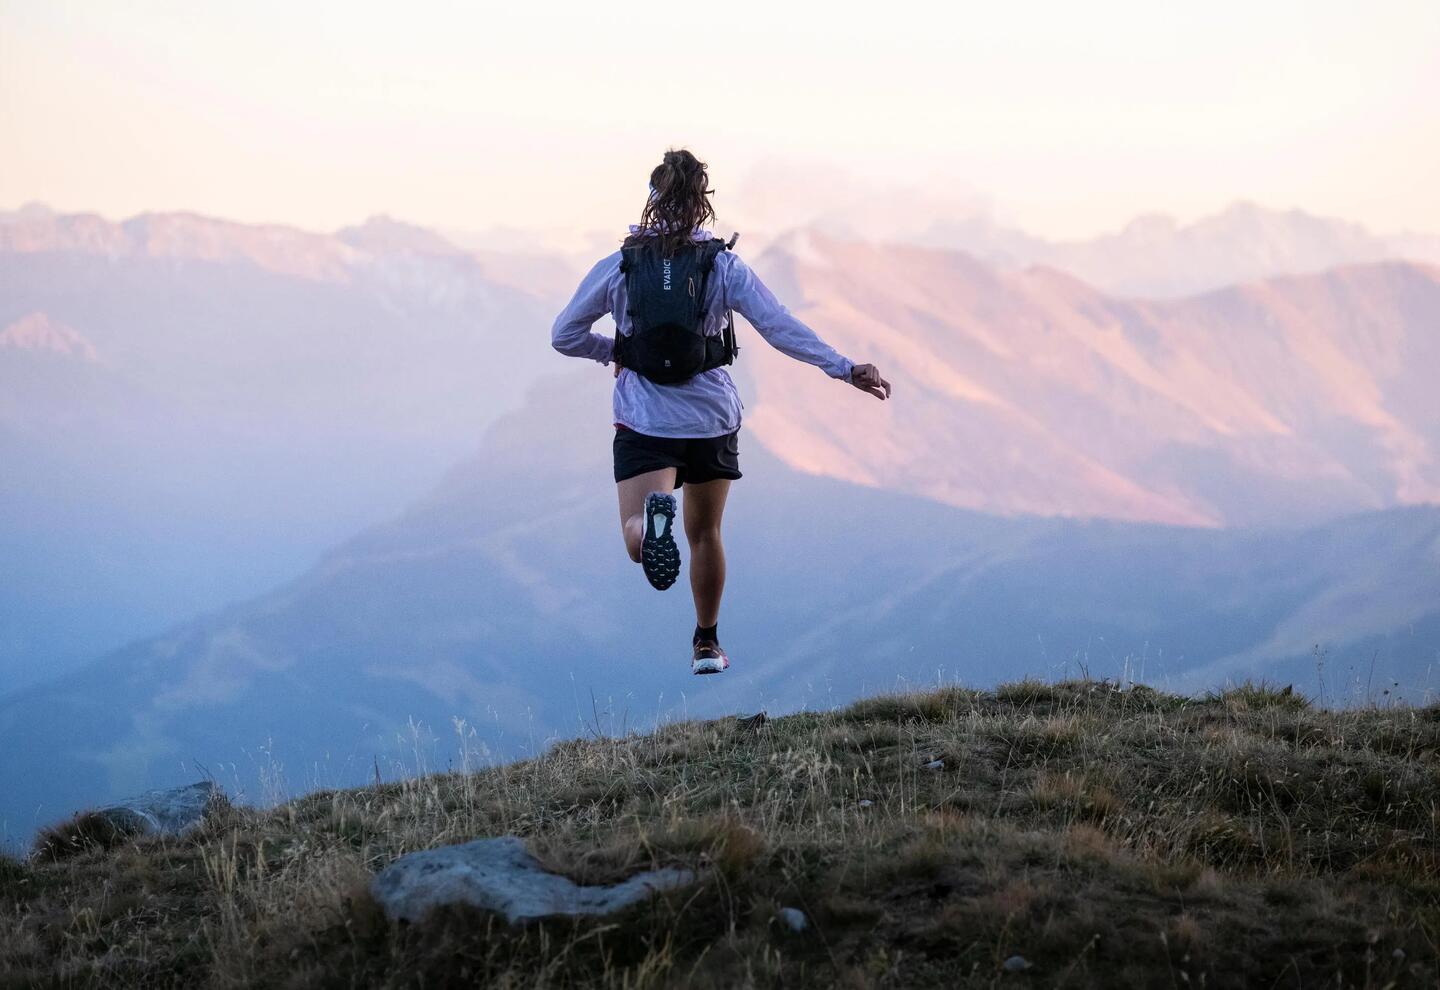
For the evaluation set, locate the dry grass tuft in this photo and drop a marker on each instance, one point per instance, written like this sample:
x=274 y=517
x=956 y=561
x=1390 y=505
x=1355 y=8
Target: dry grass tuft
x=13 y=873
x=1113 y=836
x=918 y=706
x=1030 y=691
x=83 y=833
x=1254 y=697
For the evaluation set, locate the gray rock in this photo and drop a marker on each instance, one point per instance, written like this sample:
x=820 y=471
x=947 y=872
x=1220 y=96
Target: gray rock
x=935 y=765
x=866 y=803
x=794 y=919
x=500 y=875
x=1016 y=964
x=174 y=811
x=752 y=723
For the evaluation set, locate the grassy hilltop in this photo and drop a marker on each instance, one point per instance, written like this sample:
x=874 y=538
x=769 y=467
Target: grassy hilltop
x=1109 y=837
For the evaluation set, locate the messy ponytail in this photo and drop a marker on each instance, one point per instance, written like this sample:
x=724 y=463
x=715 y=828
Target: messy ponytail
x=679 y=202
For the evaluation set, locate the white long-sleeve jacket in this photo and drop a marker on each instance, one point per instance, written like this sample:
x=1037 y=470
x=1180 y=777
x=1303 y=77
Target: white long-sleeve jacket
x=708 y=404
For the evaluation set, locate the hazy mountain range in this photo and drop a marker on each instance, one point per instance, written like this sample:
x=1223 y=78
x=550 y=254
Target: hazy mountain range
x=1280 y=402
x=1154 y=255
x=504 y=599
x=1236 y=483
x=192 y=409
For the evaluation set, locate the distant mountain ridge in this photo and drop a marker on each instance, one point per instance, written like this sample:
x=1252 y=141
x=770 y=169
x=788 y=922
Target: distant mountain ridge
x=1152 y=256
x=259 y=392
x=1277 y=402
x=502 y=598
x=1156 y=256
x=191 y=409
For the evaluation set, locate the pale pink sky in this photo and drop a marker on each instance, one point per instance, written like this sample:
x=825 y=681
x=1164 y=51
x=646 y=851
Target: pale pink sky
x=1070 y=117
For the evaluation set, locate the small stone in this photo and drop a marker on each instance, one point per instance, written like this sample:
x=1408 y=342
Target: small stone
x=866 y=803
x=1398 y=955
x=794 y=919
x=1016 y=964
x=935 y=765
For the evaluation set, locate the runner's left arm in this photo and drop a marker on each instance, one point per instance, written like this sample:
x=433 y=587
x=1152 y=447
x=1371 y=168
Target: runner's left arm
x=745 y=293
x=571 y=335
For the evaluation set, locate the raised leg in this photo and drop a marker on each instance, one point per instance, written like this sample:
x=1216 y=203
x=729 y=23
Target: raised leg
x=632 y=505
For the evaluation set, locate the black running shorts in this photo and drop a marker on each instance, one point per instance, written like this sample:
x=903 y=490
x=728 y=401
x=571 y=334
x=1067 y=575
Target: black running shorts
x=695 y=459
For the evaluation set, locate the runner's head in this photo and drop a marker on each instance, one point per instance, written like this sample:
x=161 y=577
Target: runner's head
x=679 y=202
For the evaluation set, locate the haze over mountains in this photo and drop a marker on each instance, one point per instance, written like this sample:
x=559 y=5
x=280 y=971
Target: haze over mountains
x=503 y=599
x=1236 y=483
x=1287 y=401
x=1154 y=255
x=192 y=410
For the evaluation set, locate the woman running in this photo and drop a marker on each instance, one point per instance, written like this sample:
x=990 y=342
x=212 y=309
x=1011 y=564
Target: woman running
x=671 y=288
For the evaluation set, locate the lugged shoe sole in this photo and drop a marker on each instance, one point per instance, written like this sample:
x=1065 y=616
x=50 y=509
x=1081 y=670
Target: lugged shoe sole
x=659 y=555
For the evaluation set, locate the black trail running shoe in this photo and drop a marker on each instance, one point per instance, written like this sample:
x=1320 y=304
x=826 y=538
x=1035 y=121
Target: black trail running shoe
x=708 y=658
x=658 y=553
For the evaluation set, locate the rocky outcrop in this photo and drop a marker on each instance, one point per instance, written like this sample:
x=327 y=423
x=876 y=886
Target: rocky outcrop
x=173 y=811
x=500 y=875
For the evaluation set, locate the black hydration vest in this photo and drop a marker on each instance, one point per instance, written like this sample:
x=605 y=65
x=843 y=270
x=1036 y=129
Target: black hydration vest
x=666 y=305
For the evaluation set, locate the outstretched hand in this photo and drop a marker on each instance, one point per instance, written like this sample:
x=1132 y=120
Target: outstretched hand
x=866 y=377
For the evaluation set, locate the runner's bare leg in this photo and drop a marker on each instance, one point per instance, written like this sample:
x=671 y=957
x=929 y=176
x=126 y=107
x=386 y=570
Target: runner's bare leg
x=704 y=508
